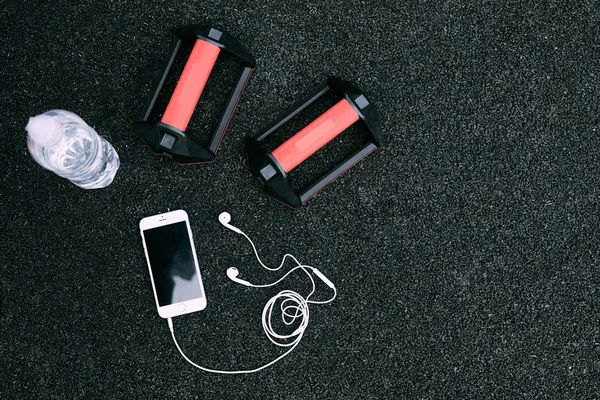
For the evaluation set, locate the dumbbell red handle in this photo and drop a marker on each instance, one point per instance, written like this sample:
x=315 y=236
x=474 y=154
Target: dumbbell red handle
x=315 y=135
x=190 y=85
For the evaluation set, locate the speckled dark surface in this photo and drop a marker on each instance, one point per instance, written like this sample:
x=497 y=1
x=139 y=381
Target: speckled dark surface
x=465 y=252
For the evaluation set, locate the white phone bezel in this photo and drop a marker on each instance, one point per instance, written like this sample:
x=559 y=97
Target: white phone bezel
x=186 y=307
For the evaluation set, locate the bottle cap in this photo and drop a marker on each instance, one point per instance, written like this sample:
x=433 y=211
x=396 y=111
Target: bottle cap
x=44 y=130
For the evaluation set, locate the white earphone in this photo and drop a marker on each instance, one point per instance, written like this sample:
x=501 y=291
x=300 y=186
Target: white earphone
x=232 y=274
x=293 y=306
x=225 y=218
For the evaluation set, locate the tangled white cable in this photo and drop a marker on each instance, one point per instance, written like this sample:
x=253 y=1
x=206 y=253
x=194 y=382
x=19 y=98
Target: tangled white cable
x=293 y=306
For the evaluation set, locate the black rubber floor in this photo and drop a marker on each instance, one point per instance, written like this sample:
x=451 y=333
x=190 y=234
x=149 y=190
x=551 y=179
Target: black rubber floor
x=465 y=252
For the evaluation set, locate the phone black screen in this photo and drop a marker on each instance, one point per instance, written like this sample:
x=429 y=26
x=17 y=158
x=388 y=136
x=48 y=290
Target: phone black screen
x=172 y=263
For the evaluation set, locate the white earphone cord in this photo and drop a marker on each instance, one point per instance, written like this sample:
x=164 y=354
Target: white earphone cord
x=293 y=306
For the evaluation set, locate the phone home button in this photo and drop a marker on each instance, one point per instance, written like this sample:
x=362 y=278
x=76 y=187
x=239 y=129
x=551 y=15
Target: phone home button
x=182 y=307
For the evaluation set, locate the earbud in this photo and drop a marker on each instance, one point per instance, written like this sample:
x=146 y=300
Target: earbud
x=225 y=218
x=233 y=272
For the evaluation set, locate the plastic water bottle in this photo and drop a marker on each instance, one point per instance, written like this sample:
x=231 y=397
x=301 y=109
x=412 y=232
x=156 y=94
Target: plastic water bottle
x=63 y=143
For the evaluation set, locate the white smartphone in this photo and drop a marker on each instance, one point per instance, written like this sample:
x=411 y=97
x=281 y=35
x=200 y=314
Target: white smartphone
x=173 y=264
